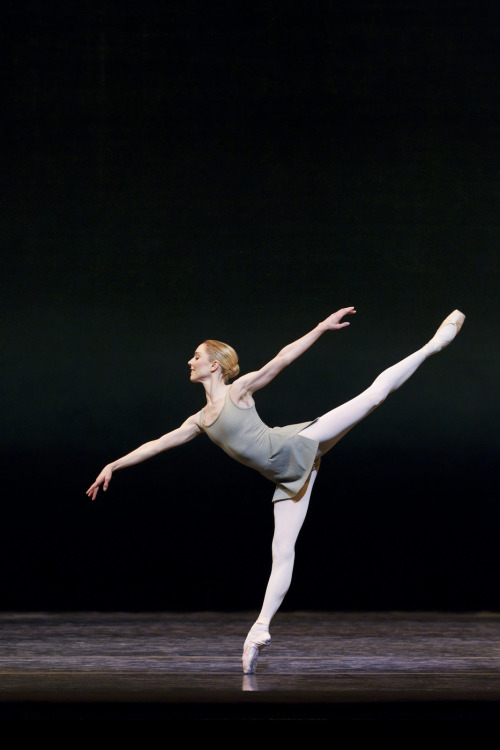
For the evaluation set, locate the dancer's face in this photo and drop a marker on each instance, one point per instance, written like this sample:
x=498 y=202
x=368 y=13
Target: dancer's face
x=200 y=365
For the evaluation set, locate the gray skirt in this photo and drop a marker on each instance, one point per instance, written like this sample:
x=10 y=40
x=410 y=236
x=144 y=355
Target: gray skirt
x=292 y=458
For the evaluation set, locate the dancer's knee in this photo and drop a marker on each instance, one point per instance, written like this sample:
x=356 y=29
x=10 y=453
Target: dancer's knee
x=376 y=394
x=283 y=552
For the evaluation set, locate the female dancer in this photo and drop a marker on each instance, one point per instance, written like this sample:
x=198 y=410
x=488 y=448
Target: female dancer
x=288 y=456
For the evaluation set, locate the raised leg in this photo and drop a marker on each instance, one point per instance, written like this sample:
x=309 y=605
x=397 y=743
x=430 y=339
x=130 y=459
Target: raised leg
x=331 y=427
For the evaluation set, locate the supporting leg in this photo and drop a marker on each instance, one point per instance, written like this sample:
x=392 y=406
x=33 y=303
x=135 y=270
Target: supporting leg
x=289 y=515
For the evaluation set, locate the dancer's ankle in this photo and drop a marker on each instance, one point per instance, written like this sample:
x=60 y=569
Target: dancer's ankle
x=259 y=626
x=441 y=339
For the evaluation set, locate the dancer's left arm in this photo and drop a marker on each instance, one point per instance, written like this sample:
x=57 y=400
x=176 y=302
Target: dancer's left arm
x=253 y=381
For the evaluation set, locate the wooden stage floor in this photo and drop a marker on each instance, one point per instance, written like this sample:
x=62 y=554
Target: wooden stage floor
x=187 y=666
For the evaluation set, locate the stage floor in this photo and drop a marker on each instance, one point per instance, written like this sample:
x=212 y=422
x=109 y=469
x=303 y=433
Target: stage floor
x=320 y=666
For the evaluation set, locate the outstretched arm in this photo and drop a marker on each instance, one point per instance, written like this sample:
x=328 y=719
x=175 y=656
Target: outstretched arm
x=183 y=434
x=253 y=381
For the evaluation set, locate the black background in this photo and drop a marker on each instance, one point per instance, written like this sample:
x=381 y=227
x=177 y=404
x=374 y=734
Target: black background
x=180 y=171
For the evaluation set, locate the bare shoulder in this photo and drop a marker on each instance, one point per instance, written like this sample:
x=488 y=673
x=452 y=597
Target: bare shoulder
x=192 y=424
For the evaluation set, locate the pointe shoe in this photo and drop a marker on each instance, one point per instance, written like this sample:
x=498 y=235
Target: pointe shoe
x=438 y=342
x=251 y=651
x=456 y=317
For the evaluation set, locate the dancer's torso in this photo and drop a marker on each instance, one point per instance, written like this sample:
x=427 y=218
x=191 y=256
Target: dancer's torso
x=280 y=454
x=241 y=433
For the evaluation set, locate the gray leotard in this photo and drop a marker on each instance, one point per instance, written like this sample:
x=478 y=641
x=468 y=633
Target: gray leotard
x=279 y=453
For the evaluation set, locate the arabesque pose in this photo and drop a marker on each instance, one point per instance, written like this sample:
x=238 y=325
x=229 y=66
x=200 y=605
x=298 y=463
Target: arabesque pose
x=288 y=456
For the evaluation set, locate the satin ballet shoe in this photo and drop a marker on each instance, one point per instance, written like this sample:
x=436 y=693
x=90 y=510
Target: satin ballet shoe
x=438 y=341
x=456 y=317
x=251 y=651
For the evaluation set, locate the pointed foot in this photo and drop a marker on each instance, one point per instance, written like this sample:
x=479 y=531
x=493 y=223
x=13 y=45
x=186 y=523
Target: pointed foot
x=251 y=652
x=446 y=332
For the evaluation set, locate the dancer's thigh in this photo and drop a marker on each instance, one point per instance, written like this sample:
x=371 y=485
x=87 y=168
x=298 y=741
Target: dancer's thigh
x=332 y=426
x=289 y=514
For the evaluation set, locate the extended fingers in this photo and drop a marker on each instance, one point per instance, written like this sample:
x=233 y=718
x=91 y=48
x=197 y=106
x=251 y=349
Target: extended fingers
x=345 y=311
x=94 y=488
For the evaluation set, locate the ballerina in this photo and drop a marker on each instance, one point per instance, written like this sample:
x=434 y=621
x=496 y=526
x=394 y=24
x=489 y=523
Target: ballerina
x=288 y=456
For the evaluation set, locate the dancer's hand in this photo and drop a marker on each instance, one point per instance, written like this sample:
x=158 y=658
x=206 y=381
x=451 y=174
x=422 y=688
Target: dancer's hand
x=104 y=478
x=333 y=322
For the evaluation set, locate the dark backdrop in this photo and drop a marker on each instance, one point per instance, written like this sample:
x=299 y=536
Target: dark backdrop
x=177 y=171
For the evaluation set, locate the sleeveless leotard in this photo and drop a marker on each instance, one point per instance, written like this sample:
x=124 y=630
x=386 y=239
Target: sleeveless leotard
x=278 y=453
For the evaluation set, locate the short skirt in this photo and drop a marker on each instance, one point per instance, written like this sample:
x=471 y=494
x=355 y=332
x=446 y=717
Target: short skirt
x=292 y=458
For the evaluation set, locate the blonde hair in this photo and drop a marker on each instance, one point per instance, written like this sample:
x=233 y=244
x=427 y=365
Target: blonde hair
x=225 y=356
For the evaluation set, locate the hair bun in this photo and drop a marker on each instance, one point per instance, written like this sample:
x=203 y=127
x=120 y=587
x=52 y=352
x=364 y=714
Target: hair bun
x=226 y=356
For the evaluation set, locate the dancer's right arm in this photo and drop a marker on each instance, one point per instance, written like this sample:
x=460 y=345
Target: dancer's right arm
x=183 y=434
